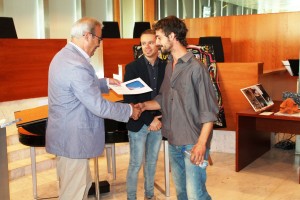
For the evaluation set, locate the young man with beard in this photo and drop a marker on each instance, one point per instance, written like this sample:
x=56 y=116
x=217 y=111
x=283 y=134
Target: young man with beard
x=189 y=108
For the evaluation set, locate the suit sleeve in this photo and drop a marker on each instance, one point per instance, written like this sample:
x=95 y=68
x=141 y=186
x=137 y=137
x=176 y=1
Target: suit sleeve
x=85 y=86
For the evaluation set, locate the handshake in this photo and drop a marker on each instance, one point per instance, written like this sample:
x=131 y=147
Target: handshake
x=137 y=109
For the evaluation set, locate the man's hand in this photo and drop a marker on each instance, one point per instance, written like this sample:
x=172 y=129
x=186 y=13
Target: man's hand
x=197 y=153
x=155 y=124
x=141 y=106
x=148 y=105
x=113 y=81
x=136 y=112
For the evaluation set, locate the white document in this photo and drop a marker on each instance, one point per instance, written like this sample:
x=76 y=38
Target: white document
x=266 y=113
x=119 y=76
x=288 y=115
x=3 y=122
x=287 y=65
x=134 y=86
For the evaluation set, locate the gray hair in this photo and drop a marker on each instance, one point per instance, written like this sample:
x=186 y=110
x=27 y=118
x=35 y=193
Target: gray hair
x=83 y=25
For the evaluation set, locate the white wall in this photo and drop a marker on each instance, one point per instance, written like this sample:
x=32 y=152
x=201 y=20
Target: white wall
x=24 y=13
x=131 y=11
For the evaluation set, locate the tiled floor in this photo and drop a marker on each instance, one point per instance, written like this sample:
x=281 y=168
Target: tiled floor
x=274 y=176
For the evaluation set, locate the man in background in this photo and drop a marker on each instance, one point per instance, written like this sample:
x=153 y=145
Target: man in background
x=75 y=129
x=144 y=134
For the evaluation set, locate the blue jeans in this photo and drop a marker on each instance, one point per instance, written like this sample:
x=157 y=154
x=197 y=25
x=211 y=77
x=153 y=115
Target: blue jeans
x=189 y=179
x=143 y=142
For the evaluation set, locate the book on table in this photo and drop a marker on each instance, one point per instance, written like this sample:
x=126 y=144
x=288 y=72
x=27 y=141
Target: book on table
x=257 y=97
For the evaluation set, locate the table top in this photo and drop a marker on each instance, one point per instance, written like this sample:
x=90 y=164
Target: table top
x=272 y=115
x=38 y=114
x=32 y=115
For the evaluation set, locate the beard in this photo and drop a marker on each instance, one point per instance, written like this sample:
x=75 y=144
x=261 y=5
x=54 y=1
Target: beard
x=165 y=50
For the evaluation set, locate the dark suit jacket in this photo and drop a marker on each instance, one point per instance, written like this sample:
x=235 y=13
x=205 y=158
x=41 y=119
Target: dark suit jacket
x=135 y=69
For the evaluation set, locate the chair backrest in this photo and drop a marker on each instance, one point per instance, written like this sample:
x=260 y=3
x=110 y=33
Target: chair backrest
x=216 y=42
x=139 y=28
x=7 y=28
x=110 y=30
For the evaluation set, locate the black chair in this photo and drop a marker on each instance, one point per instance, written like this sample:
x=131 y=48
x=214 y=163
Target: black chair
x=139 y=28
x=32 y=132
x=217 y=46
x=110 y=30
x=7 y=28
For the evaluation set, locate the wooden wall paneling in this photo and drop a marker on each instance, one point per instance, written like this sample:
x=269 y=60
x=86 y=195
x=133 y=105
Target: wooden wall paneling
x=117 y=51
x=266 y=38
x=24 y=67
x=245 y=40
x=149 y=11
x=275 y=83
x=117 y=12
x=233 y=77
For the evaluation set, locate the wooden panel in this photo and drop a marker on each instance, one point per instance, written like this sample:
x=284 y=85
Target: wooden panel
x=24 y=67
x=31 y=115
x=233 y=77
x=267 y=38
x=117 y=51
x=149 y=11
x=117 y=12
x=277 y=82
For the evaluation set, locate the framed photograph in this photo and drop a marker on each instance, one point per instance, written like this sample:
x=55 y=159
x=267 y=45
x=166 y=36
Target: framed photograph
x=257 y=97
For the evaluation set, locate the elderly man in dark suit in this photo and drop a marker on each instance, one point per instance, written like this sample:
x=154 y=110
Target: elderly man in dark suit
x=144 y=133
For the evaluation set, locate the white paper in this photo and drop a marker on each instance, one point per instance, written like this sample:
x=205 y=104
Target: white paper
x=3 y=122
x=134 y=86
x=287 y=65
x=266 y=113
x=288 y=115
x=119 y=76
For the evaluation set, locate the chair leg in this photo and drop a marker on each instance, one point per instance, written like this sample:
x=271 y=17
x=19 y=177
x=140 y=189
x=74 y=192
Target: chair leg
x=33 y=172
x=96 y=178
x=108 y=157
x=111 y=159
x=167 y=168
x=210 y=160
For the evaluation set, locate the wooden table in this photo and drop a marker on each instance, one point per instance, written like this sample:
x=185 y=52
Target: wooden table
x=253 y=133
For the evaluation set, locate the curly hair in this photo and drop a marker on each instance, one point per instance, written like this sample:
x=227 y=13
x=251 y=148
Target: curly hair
x=173 y=24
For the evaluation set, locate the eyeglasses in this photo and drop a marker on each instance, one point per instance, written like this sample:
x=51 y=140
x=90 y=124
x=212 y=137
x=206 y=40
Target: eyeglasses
x=99 y=38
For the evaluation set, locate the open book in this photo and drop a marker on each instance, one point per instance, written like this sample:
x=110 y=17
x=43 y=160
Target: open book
x=257 y=97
